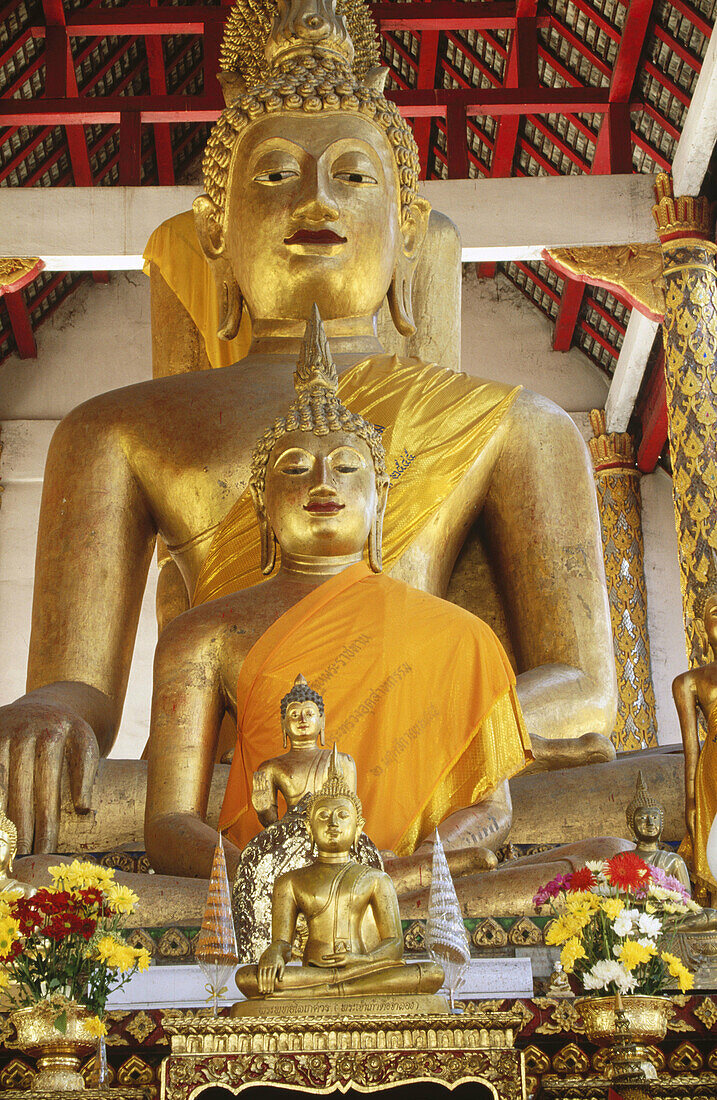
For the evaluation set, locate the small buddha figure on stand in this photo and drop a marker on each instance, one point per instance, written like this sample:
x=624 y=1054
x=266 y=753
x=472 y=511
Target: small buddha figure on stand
x=694 y=691
x=345 y=905
x=646 y=818
x=303 y=769
x=8 y=851
x=285 y=844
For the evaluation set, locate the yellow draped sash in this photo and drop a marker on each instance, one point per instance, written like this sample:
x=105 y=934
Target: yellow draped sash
x=435 y=423
x=417 y=690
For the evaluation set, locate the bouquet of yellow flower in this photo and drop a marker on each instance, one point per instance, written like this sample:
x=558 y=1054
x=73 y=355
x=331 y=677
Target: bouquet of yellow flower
x=64 y=942
x=612 y=920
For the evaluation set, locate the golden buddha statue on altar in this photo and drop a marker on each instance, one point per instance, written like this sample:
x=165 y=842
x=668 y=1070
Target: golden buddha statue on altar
x=695 y=692
x=324 y=170
x=284 y=844
x=354 y=944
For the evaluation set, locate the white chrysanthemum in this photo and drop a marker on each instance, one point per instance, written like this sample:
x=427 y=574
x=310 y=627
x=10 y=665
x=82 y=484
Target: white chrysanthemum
x=604 y=972
x=622 y=925
x=649 y=926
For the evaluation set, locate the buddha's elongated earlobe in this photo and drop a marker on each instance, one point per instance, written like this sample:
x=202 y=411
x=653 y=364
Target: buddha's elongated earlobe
x=284 y=734
x=231 y=302
x=322 y=733
x=266 y=533
x=207 y=222
x=414 y=223
x=375 y=535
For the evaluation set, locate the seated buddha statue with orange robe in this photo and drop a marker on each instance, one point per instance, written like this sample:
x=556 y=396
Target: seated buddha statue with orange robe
x=418 y=691
x=311 y=177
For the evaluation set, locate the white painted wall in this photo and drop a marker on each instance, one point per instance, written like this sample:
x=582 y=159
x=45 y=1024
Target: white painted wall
x=664 y=600
x=100 y=339
x=506 y=338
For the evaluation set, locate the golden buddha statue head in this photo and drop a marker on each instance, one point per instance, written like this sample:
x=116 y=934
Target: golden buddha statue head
x=645 y=816
x=302 y=715
x=318 y=475
x=311 y=175
x=8 y=843
x=334 y=815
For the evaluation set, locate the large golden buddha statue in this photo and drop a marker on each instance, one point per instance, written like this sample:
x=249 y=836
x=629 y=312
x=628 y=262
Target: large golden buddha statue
x=323 y=172
x=336 y=895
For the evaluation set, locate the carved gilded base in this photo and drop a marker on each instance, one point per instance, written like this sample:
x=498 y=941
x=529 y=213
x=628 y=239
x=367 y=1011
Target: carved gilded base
x=282 y=1008
x=664 y=1088
x=113 y=1093
x=369 y=1053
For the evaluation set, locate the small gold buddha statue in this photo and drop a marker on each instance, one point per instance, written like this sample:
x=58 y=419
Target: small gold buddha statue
x=284 y=844
x=695 y=691
x=339 y=899
x=8 y=851
x=302 y=769
x=646 y=819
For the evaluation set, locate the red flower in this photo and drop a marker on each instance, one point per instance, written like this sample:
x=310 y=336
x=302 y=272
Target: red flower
x=91 y=896
x=582 y=879
x=626 y=871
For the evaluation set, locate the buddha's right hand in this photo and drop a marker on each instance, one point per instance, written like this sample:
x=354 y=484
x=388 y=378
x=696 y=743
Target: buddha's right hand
x=36 y=736
x=270 y=968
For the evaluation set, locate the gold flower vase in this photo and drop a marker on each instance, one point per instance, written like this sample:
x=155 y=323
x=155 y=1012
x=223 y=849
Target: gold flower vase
x=644 y=1019
x=628 y=1025
x=59 y=1055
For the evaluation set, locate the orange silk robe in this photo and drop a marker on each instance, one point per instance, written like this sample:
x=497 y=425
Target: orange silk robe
x=417 y=690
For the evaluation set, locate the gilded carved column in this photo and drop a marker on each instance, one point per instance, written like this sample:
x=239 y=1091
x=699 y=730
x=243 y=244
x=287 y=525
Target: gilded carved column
x=690 y=337
x=617 y=481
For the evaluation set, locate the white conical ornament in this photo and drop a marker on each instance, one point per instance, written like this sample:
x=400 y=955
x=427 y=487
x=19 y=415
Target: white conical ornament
x=216 y=947
x=446 y=937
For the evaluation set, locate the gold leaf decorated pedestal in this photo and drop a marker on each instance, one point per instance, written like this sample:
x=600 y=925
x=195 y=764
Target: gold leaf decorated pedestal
x=337 y=1051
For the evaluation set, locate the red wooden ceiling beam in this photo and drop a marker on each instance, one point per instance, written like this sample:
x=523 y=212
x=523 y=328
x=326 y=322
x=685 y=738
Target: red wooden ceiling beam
x=661 y=161
x=158 y=86
x=598 y=336
x=21 y=324
x=431 y=15
x=445 y=15
x=695 y=18
x=416 y=103
x=613 y=146
x=582 y=47
x=652 y=413
x=677 y=47
x=599 y=19
x=425 y=78
x=570 y=305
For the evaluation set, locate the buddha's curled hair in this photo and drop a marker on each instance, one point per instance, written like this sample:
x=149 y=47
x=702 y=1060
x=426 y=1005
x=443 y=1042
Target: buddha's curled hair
x=300 y=693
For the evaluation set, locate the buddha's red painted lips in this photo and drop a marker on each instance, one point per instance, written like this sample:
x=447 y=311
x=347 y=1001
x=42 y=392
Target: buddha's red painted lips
x=323 y=508
x=315 y=236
